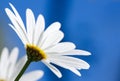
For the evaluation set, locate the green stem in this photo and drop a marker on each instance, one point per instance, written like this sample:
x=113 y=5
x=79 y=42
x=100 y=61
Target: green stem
x=23 y=70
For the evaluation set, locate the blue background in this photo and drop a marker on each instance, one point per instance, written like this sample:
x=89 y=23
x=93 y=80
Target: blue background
x=93 y=25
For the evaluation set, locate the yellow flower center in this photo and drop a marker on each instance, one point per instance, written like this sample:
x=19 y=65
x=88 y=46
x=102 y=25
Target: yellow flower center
x=34 y=53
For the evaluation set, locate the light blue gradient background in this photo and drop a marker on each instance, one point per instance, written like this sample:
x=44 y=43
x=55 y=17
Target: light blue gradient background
x=93 y=25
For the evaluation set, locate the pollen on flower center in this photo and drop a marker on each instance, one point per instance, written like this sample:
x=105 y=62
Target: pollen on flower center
x=34 y=53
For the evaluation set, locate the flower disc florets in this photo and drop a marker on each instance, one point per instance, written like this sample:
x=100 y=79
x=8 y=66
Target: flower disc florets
x=34 y=53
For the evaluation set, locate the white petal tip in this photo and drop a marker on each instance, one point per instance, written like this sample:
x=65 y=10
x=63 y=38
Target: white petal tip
x=60 y=76
x=84 y=52
x=6 y=10
x=87 y=66
x=16 y=48
x=79 y=74
x=11 y=5
x=28 y=10
x=58 y=24
x=88 y=53
x=41 y=15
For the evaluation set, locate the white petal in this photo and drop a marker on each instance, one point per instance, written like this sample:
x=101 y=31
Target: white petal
x=75 y=71
x=61 y=47
x=19 y=66
x=21 y=63
x=12 y=61
x=32 y=76
x=74 y=52
x=18 y=17
x=39 y=28
x=71 y=61
x=53 y=69
x=66 y=66
x=30 y=20
x=52 y=39
x=16 y=24
x=4 y=63
x=52 y=28
x=16 y=20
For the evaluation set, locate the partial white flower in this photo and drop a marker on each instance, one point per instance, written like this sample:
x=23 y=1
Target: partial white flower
x=44 y=44
x=9 y=67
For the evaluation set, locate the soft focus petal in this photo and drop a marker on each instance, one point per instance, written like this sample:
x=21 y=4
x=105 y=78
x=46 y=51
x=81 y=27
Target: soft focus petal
x=19 y=66
x=4 y=62
x=21 y=63
x=12 y=61
x=32 y=76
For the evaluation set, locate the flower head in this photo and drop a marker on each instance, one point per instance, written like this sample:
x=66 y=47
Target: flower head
x=44 y=45
x=9 y=67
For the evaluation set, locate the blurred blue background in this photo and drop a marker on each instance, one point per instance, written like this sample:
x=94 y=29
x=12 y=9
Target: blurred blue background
x=93 y=25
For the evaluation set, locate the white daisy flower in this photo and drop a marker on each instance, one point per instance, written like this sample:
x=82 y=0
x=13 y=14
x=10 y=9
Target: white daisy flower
x=44 y=45
x=9 y=67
